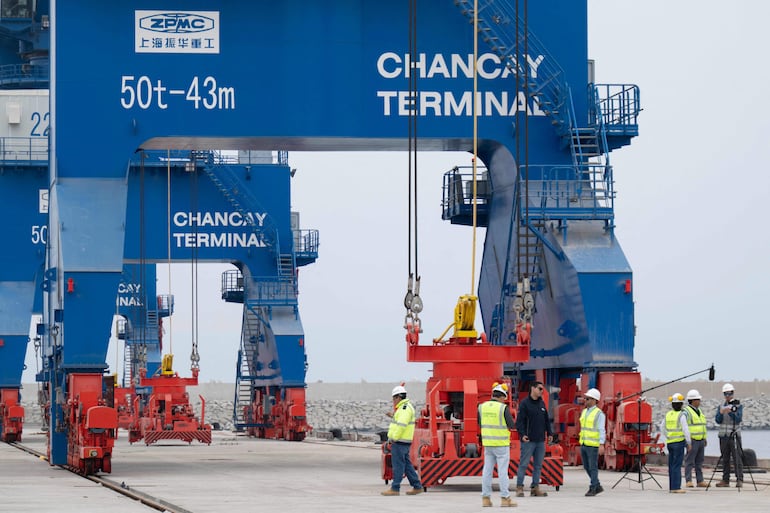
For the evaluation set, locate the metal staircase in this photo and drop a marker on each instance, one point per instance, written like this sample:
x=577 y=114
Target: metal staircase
x=245 y=203
x=508 y=38
x=246 y=375
x=583 y=190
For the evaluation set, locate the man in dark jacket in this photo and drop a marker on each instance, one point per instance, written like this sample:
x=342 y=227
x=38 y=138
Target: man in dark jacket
x=533 y=426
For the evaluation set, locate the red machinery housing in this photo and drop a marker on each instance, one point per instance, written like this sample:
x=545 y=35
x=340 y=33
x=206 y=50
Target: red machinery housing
x=278 y=413
x=91 y=425
x=11 y=415
x=629 y=420
x=168 y=414
x=124 y=404
x=447 y=435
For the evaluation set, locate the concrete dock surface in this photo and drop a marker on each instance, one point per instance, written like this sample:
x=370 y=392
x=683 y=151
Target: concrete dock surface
x=240 y=474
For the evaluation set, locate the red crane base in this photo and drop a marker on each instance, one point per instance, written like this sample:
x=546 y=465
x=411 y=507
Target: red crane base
x=168 y=414
x=11 y=415
x=91 y=425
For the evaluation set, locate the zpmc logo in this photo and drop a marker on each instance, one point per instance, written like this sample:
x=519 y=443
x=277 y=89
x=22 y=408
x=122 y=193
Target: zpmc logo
x=177 y=23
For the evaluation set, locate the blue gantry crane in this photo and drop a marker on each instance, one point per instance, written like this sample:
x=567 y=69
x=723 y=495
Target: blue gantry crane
x=23 y=193
x=172 y=94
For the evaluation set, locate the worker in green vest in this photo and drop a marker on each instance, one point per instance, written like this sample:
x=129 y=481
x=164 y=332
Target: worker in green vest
x=696 y=423
x=674 y=429
x=592 y=436
x=496 y=423
x=400 y=434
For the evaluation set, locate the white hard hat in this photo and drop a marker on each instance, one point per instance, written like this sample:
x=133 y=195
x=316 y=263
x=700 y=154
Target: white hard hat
x=676 y=398
x=500 y=388
x=728 y=387
x=693 y=394
x=593 y=394
x=398 y=390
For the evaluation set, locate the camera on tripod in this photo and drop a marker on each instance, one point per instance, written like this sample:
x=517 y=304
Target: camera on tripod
x=734 y=405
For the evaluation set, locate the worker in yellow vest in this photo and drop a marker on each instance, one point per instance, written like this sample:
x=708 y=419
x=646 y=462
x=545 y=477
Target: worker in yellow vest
x=696 y=423
x=674 y=429
x=496 y=423
x=592 y=436
x=400 y=434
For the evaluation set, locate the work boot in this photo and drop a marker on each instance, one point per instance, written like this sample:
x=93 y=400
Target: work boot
x=506 y=502
x=520 y=491
x=391 y=491
x=486 y=502
x=677 y=491
x=414 y=491
x=703 y=484
x=599 y=489
x=535 y=491
x=688 y=484
x=739 y=484
x=591 y=492
x=723 y=484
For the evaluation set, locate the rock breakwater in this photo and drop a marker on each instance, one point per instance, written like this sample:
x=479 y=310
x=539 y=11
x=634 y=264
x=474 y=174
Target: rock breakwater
x=361 y=407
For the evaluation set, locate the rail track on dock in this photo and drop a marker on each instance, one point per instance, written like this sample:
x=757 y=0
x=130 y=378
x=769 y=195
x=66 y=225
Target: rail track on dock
x=151 y=501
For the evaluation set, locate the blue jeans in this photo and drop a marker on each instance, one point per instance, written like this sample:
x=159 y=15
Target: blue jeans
x=535 y=451
x=694 y=460
x=399 y=457
x=500 y=456
x=590 y=457
x=675 y=458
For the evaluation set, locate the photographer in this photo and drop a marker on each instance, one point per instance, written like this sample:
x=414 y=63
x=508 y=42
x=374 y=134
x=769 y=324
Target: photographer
x=729 y=417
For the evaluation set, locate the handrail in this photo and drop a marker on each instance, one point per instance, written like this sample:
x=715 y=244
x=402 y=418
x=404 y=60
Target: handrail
x=616 y=105
x=583 y=189
x=23 y=150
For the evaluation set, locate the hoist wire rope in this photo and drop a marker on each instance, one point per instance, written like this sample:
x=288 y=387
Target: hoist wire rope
x=194 y=271
x=526 y=132
x=139 y=355
x=475 y=140
x=412 y=134
x=168 y=245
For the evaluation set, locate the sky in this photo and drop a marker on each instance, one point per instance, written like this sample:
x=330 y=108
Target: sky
x=691 y=214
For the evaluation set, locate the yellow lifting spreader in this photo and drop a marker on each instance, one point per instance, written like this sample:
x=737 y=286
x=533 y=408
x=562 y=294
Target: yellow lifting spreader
x=465 y=318
x=167 y=365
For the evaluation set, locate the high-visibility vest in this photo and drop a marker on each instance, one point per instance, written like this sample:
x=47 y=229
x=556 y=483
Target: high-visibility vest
x=589 y=431
x=402 y=425
x=674 y=431
x=696 y=421
x=494 y=431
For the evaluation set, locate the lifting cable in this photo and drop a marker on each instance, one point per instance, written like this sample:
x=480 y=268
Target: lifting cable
x=168 y=245
x=194 y=356
x=475 y=141
x=139 y=355
x=523 y=303
x=465 y=311
x=412 y=300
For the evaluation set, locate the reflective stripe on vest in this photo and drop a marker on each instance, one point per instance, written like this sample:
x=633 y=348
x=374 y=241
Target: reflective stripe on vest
x=494 y=432
x=696 y=421
x=674 y=431
x=589 y=431
x=402 y=426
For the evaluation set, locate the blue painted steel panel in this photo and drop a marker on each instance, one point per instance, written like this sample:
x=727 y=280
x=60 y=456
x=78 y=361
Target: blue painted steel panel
x=24 y=204
x=290 y=343
x=16 y=300
x=92 y=214
x=584 y=316
x=199 y=211
x=88 y=323
x=12 y=352
x=336 y=76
